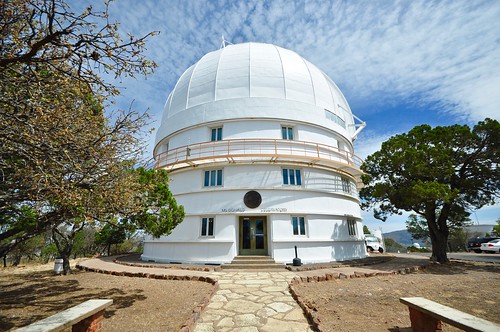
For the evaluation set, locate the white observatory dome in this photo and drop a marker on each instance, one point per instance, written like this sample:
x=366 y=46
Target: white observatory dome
x=257 y=142
x=253 y=80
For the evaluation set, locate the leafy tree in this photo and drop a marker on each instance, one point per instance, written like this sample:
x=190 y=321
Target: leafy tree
x=159 y=213
x=496 y=228
x=417 y=227
x=84 y=242
x=29 y=250
x=74 y=45
x=110 y=234
x=437 y=173
x=366 y=231
x=65 y=160
x=64 y=237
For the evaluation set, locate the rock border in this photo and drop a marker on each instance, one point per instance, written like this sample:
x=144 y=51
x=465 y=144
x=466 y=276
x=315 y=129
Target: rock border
x=188 y=326
x=311 y=313
x=167 y=266
x=350 y=263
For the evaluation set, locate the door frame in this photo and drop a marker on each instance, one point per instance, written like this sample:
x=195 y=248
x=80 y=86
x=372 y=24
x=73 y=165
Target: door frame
x=252 y=252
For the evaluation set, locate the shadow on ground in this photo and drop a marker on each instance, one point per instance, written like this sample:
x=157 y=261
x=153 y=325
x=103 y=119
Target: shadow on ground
x=53 y=294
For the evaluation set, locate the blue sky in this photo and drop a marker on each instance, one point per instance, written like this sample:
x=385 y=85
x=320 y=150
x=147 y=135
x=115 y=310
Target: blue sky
x=399 y=63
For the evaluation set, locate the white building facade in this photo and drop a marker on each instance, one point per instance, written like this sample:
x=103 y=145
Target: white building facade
x=258 y=145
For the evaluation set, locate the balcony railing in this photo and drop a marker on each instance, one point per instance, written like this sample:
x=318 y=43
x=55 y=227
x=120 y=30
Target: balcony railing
x=254 y=150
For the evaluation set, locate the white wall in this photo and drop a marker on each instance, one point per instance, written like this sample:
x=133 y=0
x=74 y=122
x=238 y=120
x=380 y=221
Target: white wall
x=247 y=110
x=249 y=128
x=326 y=239
x=258 y=177
x=186 y=245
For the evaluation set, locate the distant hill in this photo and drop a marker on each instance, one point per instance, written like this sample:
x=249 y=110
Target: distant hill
x=402 y=237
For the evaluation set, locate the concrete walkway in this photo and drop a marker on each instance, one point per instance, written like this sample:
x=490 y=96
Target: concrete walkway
x=252 y=301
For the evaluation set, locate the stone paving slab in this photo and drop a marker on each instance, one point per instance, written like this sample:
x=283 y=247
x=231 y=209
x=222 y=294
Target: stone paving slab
x=253 y=301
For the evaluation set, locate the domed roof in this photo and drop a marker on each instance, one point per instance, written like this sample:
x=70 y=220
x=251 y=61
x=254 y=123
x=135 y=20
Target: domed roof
x=254 y=70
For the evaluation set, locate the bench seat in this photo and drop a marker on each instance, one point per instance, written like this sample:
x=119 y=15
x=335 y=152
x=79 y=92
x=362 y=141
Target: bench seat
x=70 y=318
x=426 y=315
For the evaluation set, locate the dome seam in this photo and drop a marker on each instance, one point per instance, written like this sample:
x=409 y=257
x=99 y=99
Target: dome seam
x=191 y=80
x=249 y=71
x=216 y=80
x=311 y=79
x=282 y=70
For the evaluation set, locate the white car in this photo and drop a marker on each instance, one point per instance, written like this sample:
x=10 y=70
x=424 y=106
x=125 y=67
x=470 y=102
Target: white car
x=492 y=246
x=373 y=244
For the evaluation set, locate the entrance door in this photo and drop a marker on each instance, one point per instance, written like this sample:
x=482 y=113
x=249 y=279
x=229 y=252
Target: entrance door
x=253 y=236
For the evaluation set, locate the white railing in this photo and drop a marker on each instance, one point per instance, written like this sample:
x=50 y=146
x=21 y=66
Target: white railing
x=258 y=149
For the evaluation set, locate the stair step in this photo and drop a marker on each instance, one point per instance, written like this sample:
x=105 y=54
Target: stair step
x=254 y=263
x=233 y=266
x=253 y=257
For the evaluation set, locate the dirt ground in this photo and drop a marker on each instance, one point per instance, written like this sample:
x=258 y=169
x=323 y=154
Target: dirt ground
x=139 y=304
x=361 y=304
x=372 y=304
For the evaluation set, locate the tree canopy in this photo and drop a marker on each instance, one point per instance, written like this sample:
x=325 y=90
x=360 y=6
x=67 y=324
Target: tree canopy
x=437 y=173
x=67 y=157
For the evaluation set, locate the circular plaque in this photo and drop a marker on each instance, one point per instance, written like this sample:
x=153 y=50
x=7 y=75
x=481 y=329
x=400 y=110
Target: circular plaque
x=252 y=199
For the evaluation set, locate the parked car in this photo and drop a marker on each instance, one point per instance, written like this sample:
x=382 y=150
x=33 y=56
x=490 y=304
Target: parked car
x=492 y=246
x=475 y=243
x=373 y=244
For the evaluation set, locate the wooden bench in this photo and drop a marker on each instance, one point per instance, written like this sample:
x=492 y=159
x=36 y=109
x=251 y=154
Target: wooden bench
x=86 y=316
x=427 y=315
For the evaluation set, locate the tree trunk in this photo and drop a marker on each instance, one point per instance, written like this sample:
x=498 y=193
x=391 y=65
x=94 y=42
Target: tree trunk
x=17 y=260
x=66 y=266
x=439 y=242
x=65 y=254
x=109 y=248
x=4 y=260
x=64 y=247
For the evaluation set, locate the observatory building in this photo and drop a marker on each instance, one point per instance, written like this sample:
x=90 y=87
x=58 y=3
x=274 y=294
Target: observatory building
x=258 y=145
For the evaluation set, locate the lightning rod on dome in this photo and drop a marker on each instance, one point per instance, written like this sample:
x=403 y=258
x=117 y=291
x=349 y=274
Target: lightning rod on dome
x=224 y=42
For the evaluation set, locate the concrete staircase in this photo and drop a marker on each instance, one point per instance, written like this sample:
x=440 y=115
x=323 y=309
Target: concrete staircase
x=253 y=263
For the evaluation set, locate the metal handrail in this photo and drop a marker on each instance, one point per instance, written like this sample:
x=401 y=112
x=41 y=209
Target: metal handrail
x=241 y=149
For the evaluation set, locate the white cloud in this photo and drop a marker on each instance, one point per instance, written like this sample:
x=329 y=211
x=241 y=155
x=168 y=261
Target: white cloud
x=439 y=53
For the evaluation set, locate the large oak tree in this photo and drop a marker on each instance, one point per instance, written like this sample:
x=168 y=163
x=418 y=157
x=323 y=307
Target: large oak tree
x=437 y=173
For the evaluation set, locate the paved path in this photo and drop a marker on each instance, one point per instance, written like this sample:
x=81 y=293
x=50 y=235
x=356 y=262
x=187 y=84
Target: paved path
x=108 y=264
x=251 y=301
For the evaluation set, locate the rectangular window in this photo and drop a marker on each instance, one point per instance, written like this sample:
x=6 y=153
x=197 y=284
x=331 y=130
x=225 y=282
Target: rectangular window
x=335 y=118
x=292 y=177
x=351 y=226
x=299 y=226
x=213 y=178
x=346 y=186
x=287 y=133
x=216 y=134
x=207 y=226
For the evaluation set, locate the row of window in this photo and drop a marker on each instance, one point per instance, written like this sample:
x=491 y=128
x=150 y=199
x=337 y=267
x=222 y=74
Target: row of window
x=291 y=177
x=286 y=132
x=335 y=118
x=213 y=178
x=298 y=226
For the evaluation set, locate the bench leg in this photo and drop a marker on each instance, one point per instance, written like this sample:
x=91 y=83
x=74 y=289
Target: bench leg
x=421 y=322
x=90 y=324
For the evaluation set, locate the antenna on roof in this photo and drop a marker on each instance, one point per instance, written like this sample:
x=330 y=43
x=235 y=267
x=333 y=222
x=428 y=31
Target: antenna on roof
x=224 y=42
